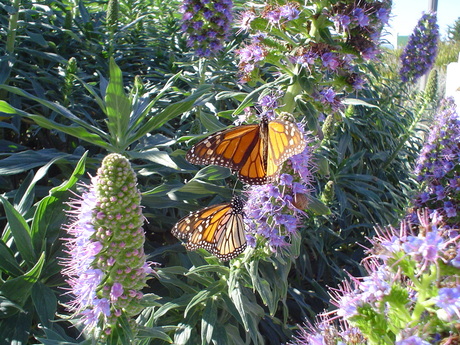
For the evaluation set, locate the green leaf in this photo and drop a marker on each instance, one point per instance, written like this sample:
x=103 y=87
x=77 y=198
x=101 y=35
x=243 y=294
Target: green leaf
x=356 y=101
x=204 y=188
x=8 y=308
x=20 y=231
x=156 y=333
x=170 y=112
x=53 y=106
x=204 y=295
x=6 y=108
x=49 y=214
x=262 y=286
x=17 y=328
x=317 y=206
x=27 y=160
x=18 y=289
x=45 y=303
x=210 y=122
x=163 y=189
x=118 y=106
x=27 y=199
x=8 y=263
x=37 y=39
x=218 y=269
x=208 y=322
x=137 y=118
x=177 y=303
x=75 y=131
x=238 y=301
x=156 y=156
x=213 y=173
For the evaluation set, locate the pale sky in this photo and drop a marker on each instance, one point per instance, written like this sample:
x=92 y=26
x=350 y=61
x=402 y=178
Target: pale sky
x=406 y=13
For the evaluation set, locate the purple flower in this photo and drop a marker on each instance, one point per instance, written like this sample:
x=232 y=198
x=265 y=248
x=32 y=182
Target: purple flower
x=437 y=166
x=341 y=21
x=289 y=11
x=207 y=23
x=449 y=300
x=361 y=18
x=420 y=52
x=450 y=210
x=412 y=340
x=330 y=60
x=271 y=212
x=273 y=16
x=329 y=97
x=383 y=15
x=106 y=260
x=249 y=56
x=245 y=20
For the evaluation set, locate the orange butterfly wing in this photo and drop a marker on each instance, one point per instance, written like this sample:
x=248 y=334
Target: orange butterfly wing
x=284 y=141
x=256 y=152
x=228 y=148
x=218 y=229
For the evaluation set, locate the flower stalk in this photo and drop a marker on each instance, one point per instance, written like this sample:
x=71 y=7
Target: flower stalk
x=107 y=267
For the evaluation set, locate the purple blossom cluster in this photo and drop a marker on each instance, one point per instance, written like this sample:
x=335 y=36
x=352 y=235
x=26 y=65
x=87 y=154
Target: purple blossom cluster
x=410 y=294
x=207 y=23
x=438 y=166
x=276 y=38
x=273 y=210
x=279 y=15
x=325 y=330
x=329 y=98
x=420 y=53
x=361 y=23
x=106 y=267
x=250 y=56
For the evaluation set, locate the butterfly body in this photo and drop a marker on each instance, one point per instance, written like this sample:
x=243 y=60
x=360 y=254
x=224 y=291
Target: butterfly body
x=255 y=151
x=219 y=229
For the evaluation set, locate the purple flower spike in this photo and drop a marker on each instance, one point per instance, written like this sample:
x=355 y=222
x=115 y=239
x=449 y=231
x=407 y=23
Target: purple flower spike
x=106 y=260
x=420 y=52
x=207 y=24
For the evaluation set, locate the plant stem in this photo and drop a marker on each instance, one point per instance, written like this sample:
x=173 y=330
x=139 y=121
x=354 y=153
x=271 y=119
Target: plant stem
x=12 y=27
x=289 y=97
x=10 y=40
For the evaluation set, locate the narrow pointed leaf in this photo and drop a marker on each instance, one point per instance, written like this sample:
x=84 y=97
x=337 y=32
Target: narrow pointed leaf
x=6 y=108
x=20 y=231
x=8 y=263
x=118 y=105
x=53 y=106
x=170 y=112
x=49 y=214
x=18 y=289
x=75 y=131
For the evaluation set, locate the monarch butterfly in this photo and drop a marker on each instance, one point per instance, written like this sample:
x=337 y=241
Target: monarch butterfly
x=218 y=229
x=256 y=151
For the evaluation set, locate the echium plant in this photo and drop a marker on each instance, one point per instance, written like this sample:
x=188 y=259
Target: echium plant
x=274 y=210
x=438 y=166
x=420 y=53
x=410 y=295
x=317 y=43
x=207 y=24
x=107 y=267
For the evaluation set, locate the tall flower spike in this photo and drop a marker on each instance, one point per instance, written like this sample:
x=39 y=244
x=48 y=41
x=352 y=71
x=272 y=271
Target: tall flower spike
x=207 y=23
x=420 y=52
x=438 y=166
x=107 y=266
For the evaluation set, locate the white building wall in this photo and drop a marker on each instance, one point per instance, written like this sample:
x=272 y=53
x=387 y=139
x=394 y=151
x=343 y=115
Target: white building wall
x=453 y=81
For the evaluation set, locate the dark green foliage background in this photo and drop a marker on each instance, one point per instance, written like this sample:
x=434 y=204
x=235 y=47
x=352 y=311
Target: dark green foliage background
x=367 y=159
